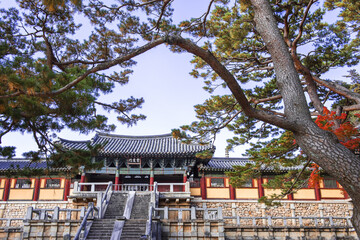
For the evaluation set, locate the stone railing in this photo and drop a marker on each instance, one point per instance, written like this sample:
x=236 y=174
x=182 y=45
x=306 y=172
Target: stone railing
x=53 y=223
x=131 y=187
x=174 y=187
x=293 y=222
x=192 y=213
x=6 y=223
x=96 y=187
x=93 y=187
x=205 y=222
x=54 y=214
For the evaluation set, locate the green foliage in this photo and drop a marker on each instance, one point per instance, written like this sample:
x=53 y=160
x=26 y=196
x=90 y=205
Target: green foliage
x=48 y=75
x=7 y=152
x=77 y=158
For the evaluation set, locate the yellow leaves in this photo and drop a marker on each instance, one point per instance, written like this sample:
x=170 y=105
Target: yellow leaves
x=30 y=91
x=13 y=86
x=244 y=5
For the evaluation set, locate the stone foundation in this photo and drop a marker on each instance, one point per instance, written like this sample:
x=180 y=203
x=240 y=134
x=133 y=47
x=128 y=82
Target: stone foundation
x=334 y=208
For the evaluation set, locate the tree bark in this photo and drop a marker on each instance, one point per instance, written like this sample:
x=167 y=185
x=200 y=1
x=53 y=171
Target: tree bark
x=321 y=146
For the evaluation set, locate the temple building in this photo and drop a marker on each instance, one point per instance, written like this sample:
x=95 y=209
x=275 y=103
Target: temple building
x=167 y=185
x=140 y=161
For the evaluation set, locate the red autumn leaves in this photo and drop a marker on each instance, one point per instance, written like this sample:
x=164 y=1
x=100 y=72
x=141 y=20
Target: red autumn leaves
x=346 y=132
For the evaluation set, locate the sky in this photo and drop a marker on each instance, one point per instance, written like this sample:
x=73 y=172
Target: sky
x=162 y=79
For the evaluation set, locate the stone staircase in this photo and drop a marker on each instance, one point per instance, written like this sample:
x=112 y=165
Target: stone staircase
x=116 y=205
x=102 y=228
x=134 y=228
x=141 y=206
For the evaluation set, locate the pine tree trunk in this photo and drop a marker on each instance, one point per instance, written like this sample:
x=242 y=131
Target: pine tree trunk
x=321 y=146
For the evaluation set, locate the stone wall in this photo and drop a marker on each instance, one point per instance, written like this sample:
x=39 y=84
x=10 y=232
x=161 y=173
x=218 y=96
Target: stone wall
x=334 y=208
x=218 y=230
x=51 y=230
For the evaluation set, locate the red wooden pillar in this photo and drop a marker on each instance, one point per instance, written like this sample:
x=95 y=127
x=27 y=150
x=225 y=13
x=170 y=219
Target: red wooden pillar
x=7 y=189
x=82 y=180
x=232 y=193
x=37 y=189
x=184 y=181
x=151 y=179
x=67 y=189
x=260 y=187
x=117 y=180
x=203 y=187
x=317 y=191
x=290 y=196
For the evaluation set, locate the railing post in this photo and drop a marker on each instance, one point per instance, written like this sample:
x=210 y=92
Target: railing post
x=93 y=187
x=331 y=221
x=29 y=213
x=155 y=187
x=187 y=187
x=180 y=215
x=269 y=221
x=42 y=214
x=206 y=214
x=76 y=186
x=91 y=206
x=285 y=222
x=171 y=187
x=166 y=212
x=238 y=221
x=82 y=212
x=56 y=213
x=68 y=215
x=300 y=221
x=220 y=215
x=193 y=213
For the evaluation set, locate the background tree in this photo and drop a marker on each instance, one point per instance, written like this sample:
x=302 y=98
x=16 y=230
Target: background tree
x=268 y=53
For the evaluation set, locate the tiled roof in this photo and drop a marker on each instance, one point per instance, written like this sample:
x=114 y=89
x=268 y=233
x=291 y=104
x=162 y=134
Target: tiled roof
x=139 y=146
x=20 y=163
x=226 y=164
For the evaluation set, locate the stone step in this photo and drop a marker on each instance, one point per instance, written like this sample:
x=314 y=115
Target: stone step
x=101 y=229
x=116 y=205
x=141 y=206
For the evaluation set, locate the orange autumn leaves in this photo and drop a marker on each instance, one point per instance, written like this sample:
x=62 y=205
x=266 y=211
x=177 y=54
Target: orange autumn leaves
x=346 y=132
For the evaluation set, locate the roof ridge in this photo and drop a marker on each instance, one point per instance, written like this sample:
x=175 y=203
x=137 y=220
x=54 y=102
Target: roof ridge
x=132 y=136
x=77 y=141
x=229 y=158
